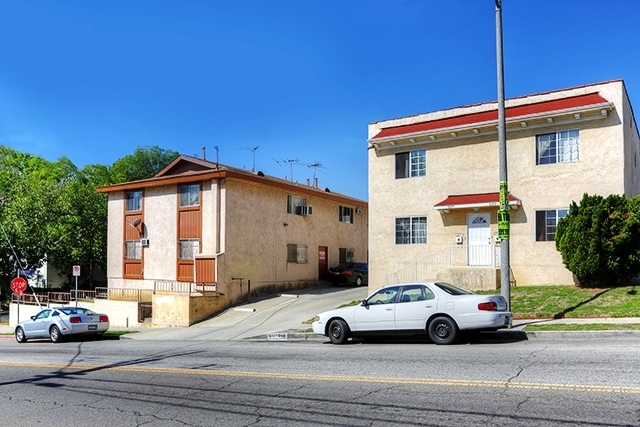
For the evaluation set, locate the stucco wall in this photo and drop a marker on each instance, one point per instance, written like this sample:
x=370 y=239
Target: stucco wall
x=470 y=165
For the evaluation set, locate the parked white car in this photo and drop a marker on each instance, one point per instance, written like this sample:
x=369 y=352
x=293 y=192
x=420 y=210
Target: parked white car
x=55 y=323
x=438 y=309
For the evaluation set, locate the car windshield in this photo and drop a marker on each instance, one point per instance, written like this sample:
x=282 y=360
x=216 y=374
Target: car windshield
x=78 y=310
x=453 y=289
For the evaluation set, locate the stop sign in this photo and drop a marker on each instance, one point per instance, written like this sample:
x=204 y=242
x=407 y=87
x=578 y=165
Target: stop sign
x=18 y=285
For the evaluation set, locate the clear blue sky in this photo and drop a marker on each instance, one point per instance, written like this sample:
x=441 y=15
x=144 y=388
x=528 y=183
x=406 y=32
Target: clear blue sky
x=93 y=80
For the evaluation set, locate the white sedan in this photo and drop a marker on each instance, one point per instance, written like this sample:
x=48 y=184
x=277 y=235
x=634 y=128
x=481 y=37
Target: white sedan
x=438 y=309
x=57 y=322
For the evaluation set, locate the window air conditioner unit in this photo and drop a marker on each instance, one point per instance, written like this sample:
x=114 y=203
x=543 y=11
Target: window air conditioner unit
x=305 y=210
x=359 y=211
x=144 y=242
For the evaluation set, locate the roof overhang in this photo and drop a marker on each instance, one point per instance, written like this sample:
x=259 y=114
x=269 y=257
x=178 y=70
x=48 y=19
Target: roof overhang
x=541 y=114
x=474 y=201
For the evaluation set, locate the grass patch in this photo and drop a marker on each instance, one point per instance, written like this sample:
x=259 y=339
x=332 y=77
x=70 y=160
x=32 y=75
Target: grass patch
x=585 y=327
x=118 y=333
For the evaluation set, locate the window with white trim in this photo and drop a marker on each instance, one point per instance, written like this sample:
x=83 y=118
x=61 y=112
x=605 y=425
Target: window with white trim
x=547 y=223
x=345 y=214
x=296 y=253
x=411 y=164
x=411 y=230
x=558 y=147
x=188 y=248
x=189 y=195
x=133 y=201
x=133 y=249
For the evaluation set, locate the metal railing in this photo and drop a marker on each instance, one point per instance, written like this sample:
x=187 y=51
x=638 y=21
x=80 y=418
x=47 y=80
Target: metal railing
x=447 y=257
x=184 y=287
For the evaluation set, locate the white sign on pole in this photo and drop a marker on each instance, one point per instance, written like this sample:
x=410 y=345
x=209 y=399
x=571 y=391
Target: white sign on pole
x=76 y=270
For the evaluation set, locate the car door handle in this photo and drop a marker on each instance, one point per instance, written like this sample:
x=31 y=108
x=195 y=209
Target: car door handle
x=427 y=306
x=388 y=309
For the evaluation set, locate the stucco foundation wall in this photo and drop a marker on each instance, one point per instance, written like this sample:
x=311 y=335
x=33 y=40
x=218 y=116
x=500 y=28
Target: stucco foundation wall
x=182 y=310
x=473 y=279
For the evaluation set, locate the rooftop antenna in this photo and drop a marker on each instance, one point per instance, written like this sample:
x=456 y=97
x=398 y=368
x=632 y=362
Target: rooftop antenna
x=254 y=149
x=316 y=166
x=216 y=147
x=291 y=162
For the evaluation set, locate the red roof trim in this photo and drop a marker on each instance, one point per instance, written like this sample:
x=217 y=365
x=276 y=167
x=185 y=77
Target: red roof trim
x=474 y=199
x=492 y=115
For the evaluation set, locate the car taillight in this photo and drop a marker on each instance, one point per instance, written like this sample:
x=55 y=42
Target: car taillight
x=75 y=319
x=347 y=273
x=104 y=318
x=488 y=306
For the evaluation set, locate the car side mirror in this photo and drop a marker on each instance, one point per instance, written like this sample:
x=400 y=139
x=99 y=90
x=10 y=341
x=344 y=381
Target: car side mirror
x=33 y=317
x=364 y=302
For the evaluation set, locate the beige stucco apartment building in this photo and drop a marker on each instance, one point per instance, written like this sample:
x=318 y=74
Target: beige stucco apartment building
x=434 y=182
x=198 y=222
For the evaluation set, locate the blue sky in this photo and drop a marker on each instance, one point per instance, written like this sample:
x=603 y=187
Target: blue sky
x=300 y=80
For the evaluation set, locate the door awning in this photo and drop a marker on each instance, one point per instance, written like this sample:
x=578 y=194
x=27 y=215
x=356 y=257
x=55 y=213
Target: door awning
x=475 y=201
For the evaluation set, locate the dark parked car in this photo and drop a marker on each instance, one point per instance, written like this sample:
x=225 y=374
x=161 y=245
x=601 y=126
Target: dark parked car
x=355 y=273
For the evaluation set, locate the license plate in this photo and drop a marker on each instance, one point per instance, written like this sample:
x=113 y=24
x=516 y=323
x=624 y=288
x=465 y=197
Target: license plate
x=93 y=327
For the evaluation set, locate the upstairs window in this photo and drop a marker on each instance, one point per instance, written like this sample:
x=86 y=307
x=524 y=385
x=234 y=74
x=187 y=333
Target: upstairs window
x=189 y=195
x=345 y=214
x=294 y=203
x=411 y=230
x=411 y=164
x=558 y=147
x=133 y=201
x=547 y=223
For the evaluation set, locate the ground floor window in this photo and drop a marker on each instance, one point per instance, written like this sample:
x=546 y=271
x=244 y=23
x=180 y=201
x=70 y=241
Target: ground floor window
x=133 y=249
x=189 y=248
x=296 y=253
x=345 y=255
x=547 y=222
x=411 y=230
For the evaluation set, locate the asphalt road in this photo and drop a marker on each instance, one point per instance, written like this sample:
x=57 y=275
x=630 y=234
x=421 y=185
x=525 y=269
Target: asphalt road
x=541 y=382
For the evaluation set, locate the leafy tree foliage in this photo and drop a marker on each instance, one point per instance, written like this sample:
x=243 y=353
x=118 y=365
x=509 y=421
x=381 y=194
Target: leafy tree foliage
x=144 y=163
x=50 y=211
x=600 y=240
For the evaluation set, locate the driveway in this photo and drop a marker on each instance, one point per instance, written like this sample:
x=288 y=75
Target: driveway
x=283 y=313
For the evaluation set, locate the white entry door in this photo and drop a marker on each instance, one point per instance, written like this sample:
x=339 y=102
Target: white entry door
x=479 y=239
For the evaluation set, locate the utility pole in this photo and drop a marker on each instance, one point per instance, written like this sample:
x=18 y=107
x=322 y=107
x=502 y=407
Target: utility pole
x=503 y=212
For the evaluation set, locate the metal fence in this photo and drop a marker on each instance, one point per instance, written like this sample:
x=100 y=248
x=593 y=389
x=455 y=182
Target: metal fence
x=447 y=257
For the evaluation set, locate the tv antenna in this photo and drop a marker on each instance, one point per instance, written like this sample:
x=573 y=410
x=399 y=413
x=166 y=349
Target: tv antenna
x=290 y=162
x=316 y=166
x=254 y=149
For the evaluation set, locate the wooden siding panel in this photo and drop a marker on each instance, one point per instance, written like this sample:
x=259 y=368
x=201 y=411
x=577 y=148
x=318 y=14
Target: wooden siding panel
x=185 y=271
x=132 y=269
x=190 y=224
x=205 y=270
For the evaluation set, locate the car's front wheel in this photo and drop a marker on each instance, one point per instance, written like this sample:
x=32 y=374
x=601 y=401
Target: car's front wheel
x=20 y=337
x=443 y=330
x=338 y=331
x=54 y=334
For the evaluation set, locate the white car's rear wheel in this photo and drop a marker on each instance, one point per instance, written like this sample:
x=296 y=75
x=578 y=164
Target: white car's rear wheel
x=443 y=330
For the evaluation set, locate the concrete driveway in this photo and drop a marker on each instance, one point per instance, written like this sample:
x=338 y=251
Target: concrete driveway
x=279 y=314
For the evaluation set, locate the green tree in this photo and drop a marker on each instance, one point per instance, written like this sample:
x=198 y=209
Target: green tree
x=599 y=240
x=144 y=163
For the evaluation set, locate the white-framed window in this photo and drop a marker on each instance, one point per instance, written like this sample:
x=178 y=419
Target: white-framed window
x=296 y=253
x=411 y=164
x=189 y=195
x=411 y=230
x=346 y=255
x=294 y=203
x=558 y=147
x=188 y=248
x=345 y=214
x=133 y=201
x=547 y=222
x=132 y=249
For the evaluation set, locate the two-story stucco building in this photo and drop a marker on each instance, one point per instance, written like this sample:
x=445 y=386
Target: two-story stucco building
x=434 y=182
x=198 y=222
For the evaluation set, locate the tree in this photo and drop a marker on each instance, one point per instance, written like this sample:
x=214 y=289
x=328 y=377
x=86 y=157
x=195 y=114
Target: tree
x=600 y=240
x=144 y=163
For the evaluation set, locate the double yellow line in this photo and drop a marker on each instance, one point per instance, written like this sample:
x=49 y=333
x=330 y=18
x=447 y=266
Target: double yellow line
x=587 y=388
